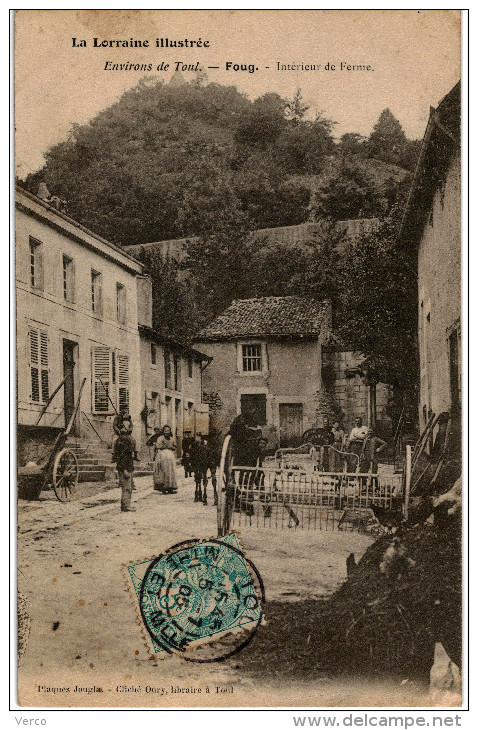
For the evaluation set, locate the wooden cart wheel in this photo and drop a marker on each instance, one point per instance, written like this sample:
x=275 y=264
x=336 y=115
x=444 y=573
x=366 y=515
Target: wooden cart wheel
x=65 y=475
x=223 y=506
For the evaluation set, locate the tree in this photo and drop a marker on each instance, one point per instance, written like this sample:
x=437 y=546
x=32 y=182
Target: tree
x=352 y=143
x=348 y=191
x=296 y=109
x=319 y=275
x=262 y=122
x=277 y=270
x=123 y=174
x=388 y=140
x=267 y=197
x=173 y=305
x=220 y=248
x=377 y=290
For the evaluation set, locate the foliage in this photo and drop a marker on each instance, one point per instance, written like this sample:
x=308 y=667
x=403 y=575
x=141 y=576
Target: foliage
x=219 y=256
x=173 y=302
x=124 y=173
x=348 y=191
x=376 y=287
x=296 y=109
x=388 y=142
x=202 y=161
x=352 y=143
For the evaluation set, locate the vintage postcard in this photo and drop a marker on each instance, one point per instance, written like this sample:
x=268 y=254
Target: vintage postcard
x=238 y=356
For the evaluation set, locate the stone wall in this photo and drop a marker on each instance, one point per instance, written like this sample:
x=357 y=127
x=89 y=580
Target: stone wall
x=351 y=394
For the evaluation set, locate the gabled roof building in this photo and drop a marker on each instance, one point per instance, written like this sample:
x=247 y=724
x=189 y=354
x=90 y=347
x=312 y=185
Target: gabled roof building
x=266 y=360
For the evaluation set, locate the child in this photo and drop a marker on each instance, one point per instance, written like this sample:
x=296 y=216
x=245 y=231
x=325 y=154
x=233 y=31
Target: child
x=124 y=454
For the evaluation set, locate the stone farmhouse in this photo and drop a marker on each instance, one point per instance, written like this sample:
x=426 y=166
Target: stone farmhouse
x=275 y=357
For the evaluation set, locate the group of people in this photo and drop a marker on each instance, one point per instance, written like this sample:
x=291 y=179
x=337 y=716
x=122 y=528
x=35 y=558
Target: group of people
x=358 y=451
x=200 y=454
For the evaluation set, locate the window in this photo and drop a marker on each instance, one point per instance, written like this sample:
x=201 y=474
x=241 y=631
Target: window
x=110 y=376
x=153 y=354
x=96 y=293
x=36 y=264
x=190 y=367
x=68 y=279
x=39 y=376
x=252 y=358
x=121 y=303
x=167 y=369
x=177 y=372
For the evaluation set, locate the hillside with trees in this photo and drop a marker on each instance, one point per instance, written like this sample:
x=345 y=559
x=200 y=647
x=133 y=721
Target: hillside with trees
x=204 y=162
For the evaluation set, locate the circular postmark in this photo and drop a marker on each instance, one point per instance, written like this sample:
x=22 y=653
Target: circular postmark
x=202 y=600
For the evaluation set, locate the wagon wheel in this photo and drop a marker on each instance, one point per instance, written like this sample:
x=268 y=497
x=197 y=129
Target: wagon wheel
x=65 y=475
x=309 y=436
x=223 y=504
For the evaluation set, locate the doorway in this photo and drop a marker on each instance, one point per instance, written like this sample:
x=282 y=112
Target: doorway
x=70 y=358
x=290 y=421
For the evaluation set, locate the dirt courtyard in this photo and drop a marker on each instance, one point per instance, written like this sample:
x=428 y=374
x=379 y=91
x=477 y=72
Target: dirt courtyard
x=84 y=635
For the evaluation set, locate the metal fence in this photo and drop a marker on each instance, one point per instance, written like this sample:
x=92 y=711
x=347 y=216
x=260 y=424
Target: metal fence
x=294 y=494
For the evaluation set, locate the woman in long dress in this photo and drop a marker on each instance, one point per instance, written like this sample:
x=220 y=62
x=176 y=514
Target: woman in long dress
x=165 y=462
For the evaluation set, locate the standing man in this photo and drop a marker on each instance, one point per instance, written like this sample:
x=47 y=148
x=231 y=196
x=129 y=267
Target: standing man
x=203 y=457
x=372 y=446
x=125 y=454
x=244 y=440
x=356 y=441
x=186 y=444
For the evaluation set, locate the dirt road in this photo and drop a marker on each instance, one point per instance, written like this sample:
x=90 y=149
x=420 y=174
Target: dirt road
x=83 y=628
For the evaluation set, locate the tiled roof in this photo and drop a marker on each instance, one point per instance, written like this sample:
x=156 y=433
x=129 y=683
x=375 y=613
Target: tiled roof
x=266 y=316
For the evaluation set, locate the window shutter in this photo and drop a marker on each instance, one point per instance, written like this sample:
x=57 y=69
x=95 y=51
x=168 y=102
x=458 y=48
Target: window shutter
x=39 y=375
x=34 y=365
x=123 y=382
x=101 y=371
x=45 y=391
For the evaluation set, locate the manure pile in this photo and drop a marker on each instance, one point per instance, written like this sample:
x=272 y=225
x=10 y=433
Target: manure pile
x=377 y=622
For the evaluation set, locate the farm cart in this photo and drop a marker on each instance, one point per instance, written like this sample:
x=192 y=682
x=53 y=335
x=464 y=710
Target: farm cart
x=44 y=459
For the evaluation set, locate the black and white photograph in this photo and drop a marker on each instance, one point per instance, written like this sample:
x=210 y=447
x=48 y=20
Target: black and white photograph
x=238 y=353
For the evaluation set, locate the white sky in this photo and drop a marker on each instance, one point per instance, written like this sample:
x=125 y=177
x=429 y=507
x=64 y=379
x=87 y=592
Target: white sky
x=415 y=56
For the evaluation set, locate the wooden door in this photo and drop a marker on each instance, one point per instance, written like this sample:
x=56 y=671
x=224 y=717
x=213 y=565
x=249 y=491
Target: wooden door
x=290 y=421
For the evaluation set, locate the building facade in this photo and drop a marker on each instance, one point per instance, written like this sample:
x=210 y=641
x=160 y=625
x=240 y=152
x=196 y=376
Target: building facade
x=77 y=318
x=266 y=360
x=171 y=383
x=432 y=223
